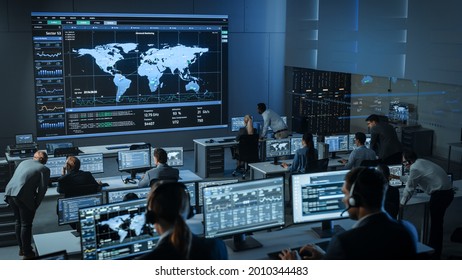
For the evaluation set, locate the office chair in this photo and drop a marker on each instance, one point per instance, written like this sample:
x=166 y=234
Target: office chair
x=80 y=190
x=248 y=153
x=370 y=163
x=162 y=178
x=319 y=165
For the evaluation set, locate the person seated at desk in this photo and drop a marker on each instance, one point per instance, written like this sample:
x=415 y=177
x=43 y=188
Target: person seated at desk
x=72 y=179
x=360 y=153
x=167 y=209
x=248 y=129
x=375 y=236
x=304 y=156
x=161 y=171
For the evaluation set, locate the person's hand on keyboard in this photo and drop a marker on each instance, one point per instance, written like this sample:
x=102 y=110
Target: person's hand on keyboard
x=288 y=254
x=311 y=252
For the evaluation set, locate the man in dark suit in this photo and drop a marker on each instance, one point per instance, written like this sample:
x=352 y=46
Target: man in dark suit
x=376 y=235
x=75 y=182
x=24 y=193
x=162 y=171
x=384 y=140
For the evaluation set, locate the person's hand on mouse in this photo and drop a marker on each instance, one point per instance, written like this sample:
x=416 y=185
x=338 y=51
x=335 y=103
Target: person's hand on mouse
x=311 y=252
x=288 y=254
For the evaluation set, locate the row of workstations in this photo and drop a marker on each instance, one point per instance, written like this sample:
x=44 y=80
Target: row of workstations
x=251 y=216
x=209 y=153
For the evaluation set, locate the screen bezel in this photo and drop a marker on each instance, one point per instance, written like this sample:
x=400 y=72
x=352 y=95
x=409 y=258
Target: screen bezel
x=331 y=150
x=120 y=160
x=60 y=173
x=60 y=202
x=100 y=156
x=268 y=142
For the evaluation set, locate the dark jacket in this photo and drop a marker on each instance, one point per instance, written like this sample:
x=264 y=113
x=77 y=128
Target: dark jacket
x=77 y=183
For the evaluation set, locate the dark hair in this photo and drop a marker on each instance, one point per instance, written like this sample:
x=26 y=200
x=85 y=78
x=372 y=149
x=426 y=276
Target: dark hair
x=74 y=163
x=370 y=185
x=373 y=118
x=361 y=137
x=169 y=203
x=410 y=156
x=130 y=196
x=161 y=155
x=308 y=138
x=261 y=107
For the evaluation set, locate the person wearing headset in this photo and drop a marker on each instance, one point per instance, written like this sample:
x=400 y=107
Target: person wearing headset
x=375 y=235
x=167 y=209
x=24 y=193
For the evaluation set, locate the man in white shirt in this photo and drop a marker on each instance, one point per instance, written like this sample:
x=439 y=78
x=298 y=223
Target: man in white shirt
x=433 y=180
x=273 y=120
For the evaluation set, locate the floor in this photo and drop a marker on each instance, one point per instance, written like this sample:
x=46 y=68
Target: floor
x=46 y=219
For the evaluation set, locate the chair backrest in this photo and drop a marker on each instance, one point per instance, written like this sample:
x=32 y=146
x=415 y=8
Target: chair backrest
x=319 y=165
x=80 y=190
x=248 y=148
x=370 y=163
x=162 y=178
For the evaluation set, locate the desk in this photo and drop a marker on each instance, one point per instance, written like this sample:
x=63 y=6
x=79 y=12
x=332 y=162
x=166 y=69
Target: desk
x=46 y=243
x=259 y=170
x=209 y=156
x=115 y=182
x=455 y=145
x=112 y=151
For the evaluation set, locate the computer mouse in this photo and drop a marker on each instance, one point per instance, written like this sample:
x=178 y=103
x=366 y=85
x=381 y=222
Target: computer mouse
x=211 y=141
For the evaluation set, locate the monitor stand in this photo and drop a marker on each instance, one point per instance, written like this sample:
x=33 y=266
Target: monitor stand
x=241 y=242
x=326 y=230
x=75 y=233
x=275 y=161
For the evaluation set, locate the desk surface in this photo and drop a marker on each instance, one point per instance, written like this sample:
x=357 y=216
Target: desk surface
x=108 y=150
x=116 y=182
x=267 y=167
x=216 y=141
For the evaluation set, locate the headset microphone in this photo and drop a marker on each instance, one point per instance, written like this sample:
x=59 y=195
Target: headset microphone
x=346 y=209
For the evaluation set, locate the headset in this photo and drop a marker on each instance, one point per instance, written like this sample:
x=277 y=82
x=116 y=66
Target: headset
x=355 y=199
x=167 y=187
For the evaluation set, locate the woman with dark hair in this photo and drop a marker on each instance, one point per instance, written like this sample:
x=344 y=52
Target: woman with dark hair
x=304 y=157
x=167 y=209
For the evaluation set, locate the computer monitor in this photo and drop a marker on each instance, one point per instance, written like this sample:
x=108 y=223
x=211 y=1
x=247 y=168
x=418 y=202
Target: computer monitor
x=243 y=207
x=56 y=164
x=116 y=231
x=276 y=148
x=351 y=141
x=397 y=170
x=68 y=208
x=93 y=163
x=398 y=112
x=24 y=139
x=134 y=161
x=118 y=195
x=237 y=123
x=296 y=143
x=51 y=147
x=317 y=197
x=337 y=143
x=174 y=156
x=201 y=185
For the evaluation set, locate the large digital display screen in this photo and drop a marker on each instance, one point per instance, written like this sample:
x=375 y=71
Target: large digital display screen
x=101 y=74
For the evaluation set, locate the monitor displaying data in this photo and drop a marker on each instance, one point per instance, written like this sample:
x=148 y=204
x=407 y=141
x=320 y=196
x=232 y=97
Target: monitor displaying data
x=119 y=194
x=116 y=231
x=337 y=143
x=277 y=147
x=203 y=184
x=105 y=74
x=134 y=159
x=93 y=163
x=398 y=171
x=68 y=208
x=317 y=197
x=237 y=123
x=244 y=207
x=51 y=147
x=174 y=156
x=296 y=143
x=56 y=164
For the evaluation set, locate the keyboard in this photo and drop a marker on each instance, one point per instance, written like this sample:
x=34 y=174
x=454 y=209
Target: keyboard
x=117 y=147
x=275 y=255
x=227 y=140
x=104 y=185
